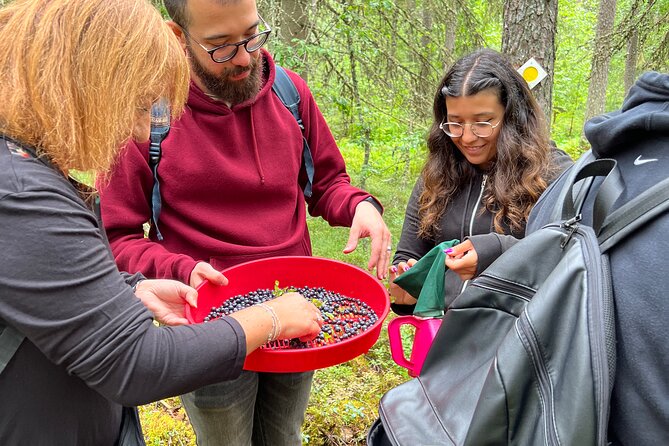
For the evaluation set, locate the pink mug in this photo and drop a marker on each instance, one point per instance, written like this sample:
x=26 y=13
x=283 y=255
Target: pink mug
x=426 y=330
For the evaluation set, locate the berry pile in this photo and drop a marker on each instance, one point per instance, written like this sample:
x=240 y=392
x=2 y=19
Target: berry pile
x=344 y=317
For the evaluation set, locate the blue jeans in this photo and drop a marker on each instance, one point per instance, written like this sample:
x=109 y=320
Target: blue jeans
x=259 y=409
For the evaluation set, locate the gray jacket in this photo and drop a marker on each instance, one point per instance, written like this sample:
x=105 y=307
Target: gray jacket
x=90 y=344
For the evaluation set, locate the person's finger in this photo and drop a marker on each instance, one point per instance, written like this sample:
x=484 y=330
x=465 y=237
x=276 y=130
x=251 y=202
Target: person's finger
x=452 y=263
x=353 y=237
x=401 y=267
x=398 y=292
x=377 y=256
x=315 y=328
x=216 y=277
x=204 y=271
x=190 y=295
x=384 y=260
x=459 y=249
x=464 y=267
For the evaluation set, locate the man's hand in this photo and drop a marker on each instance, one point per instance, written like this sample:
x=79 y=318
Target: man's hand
x=367 y=222
x=462 y=259
x=166 y=299
x=204 y=271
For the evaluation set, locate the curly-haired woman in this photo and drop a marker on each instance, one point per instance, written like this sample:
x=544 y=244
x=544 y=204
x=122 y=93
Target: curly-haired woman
x=490 y=157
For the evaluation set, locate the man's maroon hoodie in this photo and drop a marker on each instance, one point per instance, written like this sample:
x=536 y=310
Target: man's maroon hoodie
x=229 y=186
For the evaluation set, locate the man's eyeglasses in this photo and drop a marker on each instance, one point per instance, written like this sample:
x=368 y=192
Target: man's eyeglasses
x=225 y=52
x=480 y=129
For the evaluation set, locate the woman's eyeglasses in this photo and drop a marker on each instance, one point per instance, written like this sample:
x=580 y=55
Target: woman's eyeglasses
x=480 y=129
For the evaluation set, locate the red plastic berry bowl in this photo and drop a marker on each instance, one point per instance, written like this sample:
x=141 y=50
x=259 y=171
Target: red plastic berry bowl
x=296 y=271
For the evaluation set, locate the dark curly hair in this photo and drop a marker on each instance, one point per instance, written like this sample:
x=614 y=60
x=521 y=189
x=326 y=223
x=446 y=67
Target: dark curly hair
x=522 y=164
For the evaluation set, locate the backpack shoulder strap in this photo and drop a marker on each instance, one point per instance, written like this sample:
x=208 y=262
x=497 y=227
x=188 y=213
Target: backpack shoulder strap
x=633 y=214
x=566 y=183
x=160 y=127
x=608 y=192
x=285 y=89
x=611 y=227
x=10 y=340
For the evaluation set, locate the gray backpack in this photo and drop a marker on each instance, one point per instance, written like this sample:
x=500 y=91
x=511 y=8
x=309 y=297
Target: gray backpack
x=526 y=354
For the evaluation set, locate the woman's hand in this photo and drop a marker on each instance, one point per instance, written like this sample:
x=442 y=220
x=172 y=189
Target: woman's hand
x=166 y=299
x=299 y=318
x=296 y=317
x=400 y=296
x=462 y=259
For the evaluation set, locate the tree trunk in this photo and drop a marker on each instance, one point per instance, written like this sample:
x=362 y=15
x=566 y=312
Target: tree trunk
x=529 y=31
x=601 y=57
x=424 y=86
x=630 y=59
x=357 y=103
x=451 y=28
x=294 y=28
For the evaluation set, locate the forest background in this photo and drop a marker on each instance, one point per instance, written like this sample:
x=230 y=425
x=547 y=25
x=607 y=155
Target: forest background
x=373 y=67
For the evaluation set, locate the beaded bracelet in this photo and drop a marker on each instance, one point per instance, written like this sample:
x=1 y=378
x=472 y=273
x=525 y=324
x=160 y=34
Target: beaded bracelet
x=276 y=325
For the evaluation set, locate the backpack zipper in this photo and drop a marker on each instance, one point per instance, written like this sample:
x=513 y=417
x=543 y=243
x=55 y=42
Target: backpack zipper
x=497 y=284
x=528 y=338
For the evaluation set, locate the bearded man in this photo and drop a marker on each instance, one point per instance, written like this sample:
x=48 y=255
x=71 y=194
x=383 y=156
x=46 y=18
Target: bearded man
x=231 y=188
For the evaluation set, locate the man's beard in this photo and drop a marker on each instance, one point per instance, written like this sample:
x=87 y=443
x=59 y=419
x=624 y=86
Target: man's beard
x=232 y=92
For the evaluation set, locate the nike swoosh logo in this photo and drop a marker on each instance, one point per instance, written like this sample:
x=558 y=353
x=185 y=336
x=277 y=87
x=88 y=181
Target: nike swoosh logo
x=638 y=161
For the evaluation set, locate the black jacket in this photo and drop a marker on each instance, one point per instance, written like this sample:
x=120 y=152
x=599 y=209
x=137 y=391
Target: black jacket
x=637 y=137
x=465 y=217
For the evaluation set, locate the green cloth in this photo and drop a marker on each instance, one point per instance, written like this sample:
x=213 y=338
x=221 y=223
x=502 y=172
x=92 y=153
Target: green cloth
x=425 y=281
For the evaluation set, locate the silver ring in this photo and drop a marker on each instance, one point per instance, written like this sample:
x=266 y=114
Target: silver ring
x=390 y=248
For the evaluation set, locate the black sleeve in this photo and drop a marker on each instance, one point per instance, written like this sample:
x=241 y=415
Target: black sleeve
x=402 y=309
x=60 y=288
x=490 y=246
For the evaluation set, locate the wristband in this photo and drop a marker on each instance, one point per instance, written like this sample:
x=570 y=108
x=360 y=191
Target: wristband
x=374 y=203
x=276 y=325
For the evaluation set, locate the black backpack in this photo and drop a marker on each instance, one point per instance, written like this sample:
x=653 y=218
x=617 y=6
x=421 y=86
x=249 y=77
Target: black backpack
x=526 y=354
x=283 y=87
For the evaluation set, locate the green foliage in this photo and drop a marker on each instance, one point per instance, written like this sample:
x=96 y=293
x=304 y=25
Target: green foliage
x=572 y=67
x=159 y=5
x=344 y=399
x=164 y=424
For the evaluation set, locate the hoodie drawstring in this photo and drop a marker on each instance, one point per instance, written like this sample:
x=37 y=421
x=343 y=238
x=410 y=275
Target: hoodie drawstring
x=256 y=154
